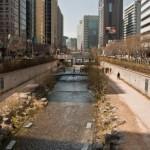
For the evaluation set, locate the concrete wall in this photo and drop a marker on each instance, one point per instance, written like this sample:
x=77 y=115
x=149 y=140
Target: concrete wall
x=13 y=79
x=138 y=80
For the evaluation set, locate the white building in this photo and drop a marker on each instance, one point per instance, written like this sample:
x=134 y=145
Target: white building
x=80 y=35
x=132 y=19
x=145 y=17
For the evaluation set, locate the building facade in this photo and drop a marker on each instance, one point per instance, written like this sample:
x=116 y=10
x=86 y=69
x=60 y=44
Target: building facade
x=9 y=20
x=22 y=19
x=40 y=21
x=59 y=28
x=110 y=21
x=80 y=35
x=145 y=17
x=88 y=33
x=54 y=21
x=48 y=21
x=132 y=19
x=72 y=44
x=30 y=19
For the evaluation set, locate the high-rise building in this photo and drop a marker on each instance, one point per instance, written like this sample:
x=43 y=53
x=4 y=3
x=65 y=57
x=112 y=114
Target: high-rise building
x=65 y=42
x=132 y=19
x=110 y=21
x=9 y=20
x=59 y=28
x=54 y=21
x=30 y=19
x=88 y=33
x=48 y=21
x=80 y=35
x=145 y=17
x=40 y=21
x=22 y=19
x=72 y=44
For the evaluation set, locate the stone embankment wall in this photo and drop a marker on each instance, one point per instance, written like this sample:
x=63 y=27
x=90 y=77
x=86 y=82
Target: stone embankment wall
x=138 y=80
x=13 y=79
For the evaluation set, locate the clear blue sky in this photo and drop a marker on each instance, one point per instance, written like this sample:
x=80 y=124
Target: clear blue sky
x=74 y=10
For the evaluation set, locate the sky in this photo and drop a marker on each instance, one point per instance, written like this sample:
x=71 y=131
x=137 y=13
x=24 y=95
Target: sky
x=74 y=10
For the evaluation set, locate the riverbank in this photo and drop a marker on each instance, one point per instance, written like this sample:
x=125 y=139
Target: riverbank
x=16 y=110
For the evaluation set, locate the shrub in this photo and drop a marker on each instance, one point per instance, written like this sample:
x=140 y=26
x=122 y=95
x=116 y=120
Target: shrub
x=97 y=81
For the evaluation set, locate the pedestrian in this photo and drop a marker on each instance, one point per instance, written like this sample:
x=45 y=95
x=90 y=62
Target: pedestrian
x=110 y=70
x=118 y=76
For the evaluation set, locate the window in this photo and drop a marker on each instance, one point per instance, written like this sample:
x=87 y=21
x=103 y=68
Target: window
x=110 y=6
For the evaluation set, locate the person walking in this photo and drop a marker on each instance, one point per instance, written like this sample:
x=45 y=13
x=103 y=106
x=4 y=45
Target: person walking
x=118 y=76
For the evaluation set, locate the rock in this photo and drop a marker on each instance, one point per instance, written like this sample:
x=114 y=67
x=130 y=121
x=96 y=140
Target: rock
x=44 y=99
x=27 y=103
x=28 y=125
x=121 y=122
x=23 y=96
x=5 y=119
x=29 y=98
x=38 y=104
x=24 y=113
x=28 y=93
x=11 y=145
x=45 y=103
x=115 y=118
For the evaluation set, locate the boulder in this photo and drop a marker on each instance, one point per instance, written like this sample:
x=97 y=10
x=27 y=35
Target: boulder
x=44 y=99
x=29 y=98
x=23 y=96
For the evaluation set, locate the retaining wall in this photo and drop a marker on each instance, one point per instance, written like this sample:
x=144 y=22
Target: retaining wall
x=138 y=80
x=13 y=79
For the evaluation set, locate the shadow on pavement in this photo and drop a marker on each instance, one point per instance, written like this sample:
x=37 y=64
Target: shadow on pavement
x=26 y=143
x=127 y=141
x=113 y=88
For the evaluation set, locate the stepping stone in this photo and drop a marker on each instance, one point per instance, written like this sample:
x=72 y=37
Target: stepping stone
x=89 y=125
x=11 y=145
x=85 y=147
x=43 y=99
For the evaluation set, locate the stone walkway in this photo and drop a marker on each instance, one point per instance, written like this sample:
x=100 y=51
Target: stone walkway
x=136 y=109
